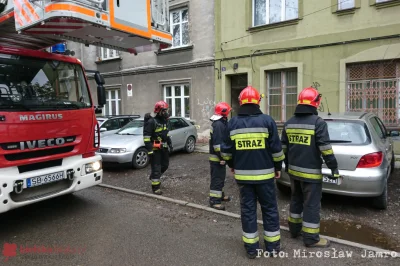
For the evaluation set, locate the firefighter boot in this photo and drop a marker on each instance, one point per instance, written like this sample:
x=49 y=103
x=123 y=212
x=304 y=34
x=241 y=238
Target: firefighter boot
x=157 y=191
x=323 y=243
x=251 y=256
x=217 y=206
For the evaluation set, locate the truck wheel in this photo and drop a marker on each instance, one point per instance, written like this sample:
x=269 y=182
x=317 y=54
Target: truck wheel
x=381 y=201
x=190 y=144
x=140 y=159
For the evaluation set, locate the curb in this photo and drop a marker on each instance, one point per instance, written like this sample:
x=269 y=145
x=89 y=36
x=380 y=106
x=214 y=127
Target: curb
x=391 y=253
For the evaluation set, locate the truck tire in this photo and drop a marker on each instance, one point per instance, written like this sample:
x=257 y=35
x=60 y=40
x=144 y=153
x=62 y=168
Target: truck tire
x=381 y=201
x=140 y=159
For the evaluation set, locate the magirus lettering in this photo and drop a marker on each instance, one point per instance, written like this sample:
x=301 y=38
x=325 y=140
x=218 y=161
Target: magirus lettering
x=38 y=117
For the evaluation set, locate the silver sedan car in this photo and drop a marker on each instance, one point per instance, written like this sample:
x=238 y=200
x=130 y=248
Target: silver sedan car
x=364 y=150
x=126 y=146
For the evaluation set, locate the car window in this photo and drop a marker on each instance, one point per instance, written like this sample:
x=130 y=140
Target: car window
x=377 y=128
x=382 y=126
x=124 y=121
x=134 y=127
x=111 y=124
x=177 y=123
x=347 y=132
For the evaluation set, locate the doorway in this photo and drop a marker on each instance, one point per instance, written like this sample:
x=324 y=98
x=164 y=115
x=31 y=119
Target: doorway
x=238 y=83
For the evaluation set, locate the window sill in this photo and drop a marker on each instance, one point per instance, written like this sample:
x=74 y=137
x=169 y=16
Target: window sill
x=274 y=25
x=100 y=61
x=344 y=12
x=387 y=4
x=175 y=49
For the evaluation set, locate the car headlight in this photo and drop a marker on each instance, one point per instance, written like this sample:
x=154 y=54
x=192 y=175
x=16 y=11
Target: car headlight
x=93 y=167
x=117 y=150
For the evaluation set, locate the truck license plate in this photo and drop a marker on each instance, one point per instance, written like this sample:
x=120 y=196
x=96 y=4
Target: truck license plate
x=44 y=179
x=327 y=180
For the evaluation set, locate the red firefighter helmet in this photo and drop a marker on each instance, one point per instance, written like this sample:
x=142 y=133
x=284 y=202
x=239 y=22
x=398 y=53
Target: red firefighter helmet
x=310 y=96
x=160 y=106
x=222 y=109
x=249 y=95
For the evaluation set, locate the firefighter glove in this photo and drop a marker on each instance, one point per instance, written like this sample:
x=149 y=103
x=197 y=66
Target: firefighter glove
x=335 y=173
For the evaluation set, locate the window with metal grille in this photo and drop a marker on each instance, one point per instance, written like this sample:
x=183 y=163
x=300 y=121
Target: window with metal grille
x=282 y=94
x=374 y=87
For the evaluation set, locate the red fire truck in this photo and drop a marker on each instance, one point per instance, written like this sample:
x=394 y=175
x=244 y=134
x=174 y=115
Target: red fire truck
x=48 y=128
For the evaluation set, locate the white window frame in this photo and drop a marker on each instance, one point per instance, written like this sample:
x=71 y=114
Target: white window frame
x=283 y=13
x=382 y=1
x=117 y=101
x=283 y=102
x=173 y=97
x=340 y=2
x=116 y=55
x=181 y=22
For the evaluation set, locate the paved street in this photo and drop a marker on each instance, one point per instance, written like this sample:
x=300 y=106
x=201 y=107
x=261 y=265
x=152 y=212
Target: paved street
x=106 y=227
x=352 y=219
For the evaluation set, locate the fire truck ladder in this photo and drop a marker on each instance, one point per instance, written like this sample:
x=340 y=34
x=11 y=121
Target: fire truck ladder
x=132 y=26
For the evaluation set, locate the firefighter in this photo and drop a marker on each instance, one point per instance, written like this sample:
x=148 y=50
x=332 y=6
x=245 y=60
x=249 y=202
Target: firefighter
x=217 y=159
x=305 y=139
x=256 y=160
x=157 y=142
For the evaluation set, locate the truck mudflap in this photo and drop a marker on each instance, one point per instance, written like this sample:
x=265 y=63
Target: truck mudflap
x=74 y=174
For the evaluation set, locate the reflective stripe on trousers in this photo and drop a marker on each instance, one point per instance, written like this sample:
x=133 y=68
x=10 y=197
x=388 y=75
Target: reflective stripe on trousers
x=250 y=238
x=272 y=236
x=295 y=218
x=215 y=194
x=155 y=182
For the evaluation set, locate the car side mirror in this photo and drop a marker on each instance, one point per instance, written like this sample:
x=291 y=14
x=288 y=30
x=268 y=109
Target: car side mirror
x=103 y=129
x=394 y=133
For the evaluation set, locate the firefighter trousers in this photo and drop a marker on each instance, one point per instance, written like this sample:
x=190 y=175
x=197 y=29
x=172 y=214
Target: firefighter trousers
x=159 y=164
x=218 y=174
x=305 y=206
x=265 y=193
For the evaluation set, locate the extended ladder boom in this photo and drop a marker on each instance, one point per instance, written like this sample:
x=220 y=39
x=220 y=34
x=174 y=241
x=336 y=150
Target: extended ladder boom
x=133 y=26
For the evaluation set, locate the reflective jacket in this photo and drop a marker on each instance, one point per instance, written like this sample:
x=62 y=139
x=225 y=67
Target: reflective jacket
x=218 y=134
x=254 y=146
x=155 y=129
x=305 y=140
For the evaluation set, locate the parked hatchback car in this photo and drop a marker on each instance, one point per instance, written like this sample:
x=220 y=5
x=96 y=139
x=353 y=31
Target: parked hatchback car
x=111 y=124
x=364 y=150
x=126 y=146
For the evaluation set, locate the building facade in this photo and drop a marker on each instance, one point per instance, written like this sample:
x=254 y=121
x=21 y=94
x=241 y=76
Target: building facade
x=348 y=49
x=182 y=75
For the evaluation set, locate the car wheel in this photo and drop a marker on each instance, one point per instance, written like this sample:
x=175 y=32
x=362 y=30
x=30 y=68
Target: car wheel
x=140 y=159
x=190 y=144
x=380 y=202
x=282 y=188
